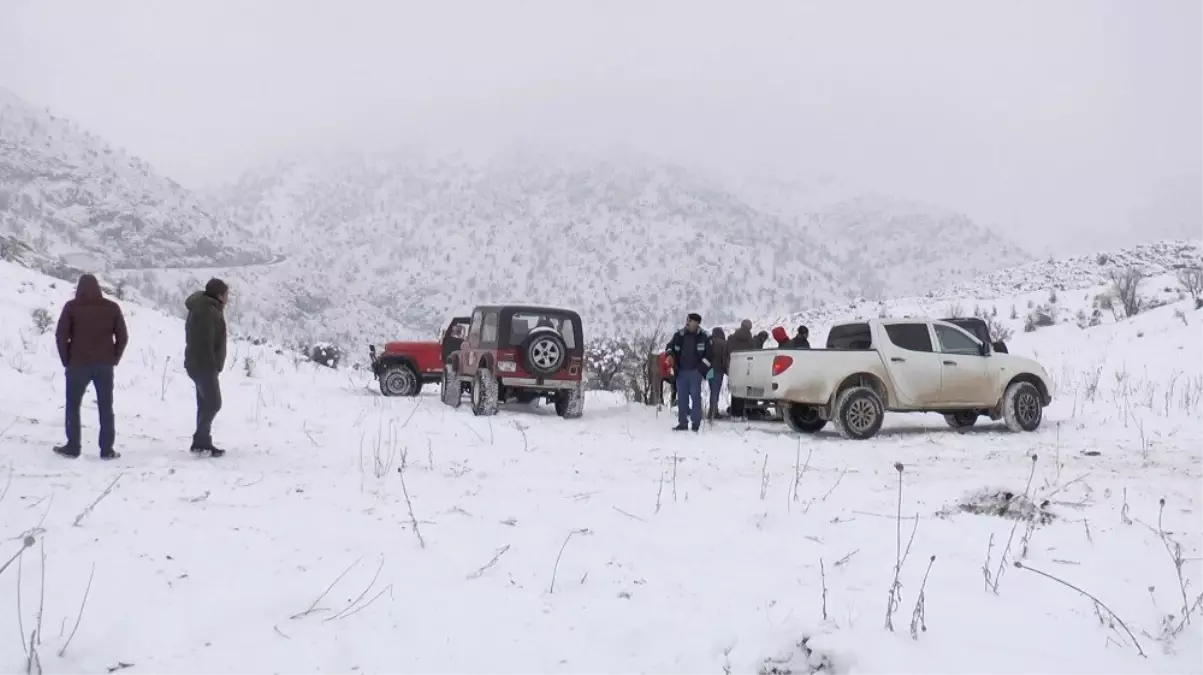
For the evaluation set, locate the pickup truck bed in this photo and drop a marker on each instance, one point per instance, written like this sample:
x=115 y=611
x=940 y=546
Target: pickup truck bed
x=752 y=374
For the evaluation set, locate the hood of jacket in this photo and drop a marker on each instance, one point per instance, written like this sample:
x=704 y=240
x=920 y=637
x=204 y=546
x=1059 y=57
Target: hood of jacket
x=719 y=334
x=88 y=288
x=201 y=300
x=744 y=334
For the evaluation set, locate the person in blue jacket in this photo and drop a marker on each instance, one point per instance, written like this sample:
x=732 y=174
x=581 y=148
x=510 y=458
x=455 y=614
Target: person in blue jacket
x=691 y=356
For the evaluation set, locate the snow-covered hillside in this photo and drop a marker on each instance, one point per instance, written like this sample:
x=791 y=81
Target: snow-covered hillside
x=1077 y=290
x=70 y=195
x=411 y=240
x=349 y=532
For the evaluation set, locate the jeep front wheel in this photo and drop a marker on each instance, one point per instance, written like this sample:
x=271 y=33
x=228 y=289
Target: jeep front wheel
x=400 y=380
x=484 y=393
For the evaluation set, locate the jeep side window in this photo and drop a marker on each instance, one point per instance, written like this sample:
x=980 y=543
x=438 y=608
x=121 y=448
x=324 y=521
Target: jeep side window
x=488 y=333
x=474 y=331
x=953 y=341
x=913 y=337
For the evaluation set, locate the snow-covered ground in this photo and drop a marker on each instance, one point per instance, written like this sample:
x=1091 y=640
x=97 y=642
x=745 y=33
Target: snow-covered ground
x=349 y=532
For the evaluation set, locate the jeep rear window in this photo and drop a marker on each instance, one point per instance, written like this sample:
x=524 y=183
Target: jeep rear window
x=850 y=336
x=522 y=324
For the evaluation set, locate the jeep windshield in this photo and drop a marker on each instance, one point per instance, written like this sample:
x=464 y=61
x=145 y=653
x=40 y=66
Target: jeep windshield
x=524 y=322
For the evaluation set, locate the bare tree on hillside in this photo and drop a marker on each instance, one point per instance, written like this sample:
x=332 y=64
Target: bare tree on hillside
x=1191 y=280
x=1126 y=284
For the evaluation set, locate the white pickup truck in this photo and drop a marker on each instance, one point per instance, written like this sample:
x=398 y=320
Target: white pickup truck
x=901 y=365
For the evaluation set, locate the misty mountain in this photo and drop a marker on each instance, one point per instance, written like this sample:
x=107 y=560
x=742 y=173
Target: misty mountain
x=67 y=193
x=353 y=247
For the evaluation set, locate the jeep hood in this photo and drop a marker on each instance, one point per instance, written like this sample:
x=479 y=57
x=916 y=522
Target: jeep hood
x=409 y=346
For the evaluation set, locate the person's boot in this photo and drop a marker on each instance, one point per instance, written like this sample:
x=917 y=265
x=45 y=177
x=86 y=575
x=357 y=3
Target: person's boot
x=680 y=427
x=110 y=454
x=66 y=451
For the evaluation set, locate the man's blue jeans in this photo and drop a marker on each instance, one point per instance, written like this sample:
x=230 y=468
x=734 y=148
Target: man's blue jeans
x=689 y=397
x=78 y=379
x=716 y=387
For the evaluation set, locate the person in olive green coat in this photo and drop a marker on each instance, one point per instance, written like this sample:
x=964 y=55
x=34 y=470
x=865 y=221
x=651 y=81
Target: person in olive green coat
x=205 y=358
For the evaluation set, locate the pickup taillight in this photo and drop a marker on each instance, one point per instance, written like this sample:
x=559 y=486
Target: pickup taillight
x=781 y=363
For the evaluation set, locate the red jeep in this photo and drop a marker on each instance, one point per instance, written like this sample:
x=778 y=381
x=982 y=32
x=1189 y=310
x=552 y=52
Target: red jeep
x=403 y=367
x=519 y=352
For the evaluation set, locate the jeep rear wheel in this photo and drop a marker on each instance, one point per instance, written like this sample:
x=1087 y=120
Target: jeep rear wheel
x=452 y=391
x=400 y=380
x=570 y=404
x=484 y=393
x=545 y=353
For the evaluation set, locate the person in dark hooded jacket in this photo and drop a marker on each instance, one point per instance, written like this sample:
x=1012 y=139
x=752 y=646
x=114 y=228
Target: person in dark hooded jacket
x=205 y=358
x=801 y=338
x=721 y=363
x=91 y=337
x=741 y=340
x=761 y=338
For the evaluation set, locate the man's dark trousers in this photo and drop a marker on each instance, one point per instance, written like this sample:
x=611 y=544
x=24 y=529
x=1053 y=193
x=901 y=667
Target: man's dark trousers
x=689 y=397
x=208 y=403
x=78 y=379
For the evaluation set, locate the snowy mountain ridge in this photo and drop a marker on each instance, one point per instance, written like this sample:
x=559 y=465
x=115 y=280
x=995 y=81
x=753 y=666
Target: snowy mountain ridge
x=70 y=195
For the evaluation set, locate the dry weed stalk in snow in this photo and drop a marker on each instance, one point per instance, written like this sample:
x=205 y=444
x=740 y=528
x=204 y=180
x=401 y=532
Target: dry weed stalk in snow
x=1098 y=604
x=79 y=617
x=823 y=584
x=1002 y=560
x=919 y=614
x=895 y=595
x=551 y=588
x=84 y=514
x=799 y=472
x=1174 y=549
x=413 y=520
x=497 y=556
x=764 y=478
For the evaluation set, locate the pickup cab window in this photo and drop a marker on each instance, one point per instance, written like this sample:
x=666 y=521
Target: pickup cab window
x=850 y=336
x=953 y=341
x=913 y=337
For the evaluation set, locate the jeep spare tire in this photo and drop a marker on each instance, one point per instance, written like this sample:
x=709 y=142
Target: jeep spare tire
x=544 y=352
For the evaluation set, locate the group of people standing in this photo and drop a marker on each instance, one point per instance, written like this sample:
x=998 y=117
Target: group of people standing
x=92 y=337
x=693 y=355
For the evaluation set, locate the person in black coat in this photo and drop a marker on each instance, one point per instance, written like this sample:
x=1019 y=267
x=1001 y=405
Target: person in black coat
x=801 y=339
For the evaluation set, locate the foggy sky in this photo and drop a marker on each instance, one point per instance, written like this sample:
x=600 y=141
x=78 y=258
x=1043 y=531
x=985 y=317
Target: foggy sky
x=1068 y=125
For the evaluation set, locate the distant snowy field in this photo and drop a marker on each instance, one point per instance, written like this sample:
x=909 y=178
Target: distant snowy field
x=607 y=544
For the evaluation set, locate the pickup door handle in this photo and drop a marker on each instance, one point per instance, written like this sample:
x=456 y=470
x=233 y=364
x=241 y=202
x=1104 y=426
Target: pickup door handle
x=897 y=359
x=950 y=363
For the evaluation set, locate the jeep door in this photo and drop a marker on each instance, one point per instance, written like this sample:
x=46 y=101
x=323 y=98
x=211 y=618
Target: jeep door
x=912 y=364
x=966 y=377
x=469 y=352
x=453 y=337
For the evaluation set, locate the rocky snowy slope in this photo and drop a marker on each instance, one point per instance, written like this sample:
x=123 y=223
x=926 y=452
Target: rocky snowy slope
x=77 y=200
x=347 y=532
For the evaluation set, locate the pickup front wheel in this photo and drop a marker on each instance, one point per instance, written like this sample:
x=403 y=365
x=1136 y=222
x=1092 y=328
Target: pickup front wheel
x=804 y=419
x=859 y=413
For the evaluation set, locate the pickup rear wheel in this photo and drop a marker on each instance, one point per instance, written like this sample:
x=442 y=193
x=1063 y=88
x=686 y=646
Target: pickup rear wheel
x=804 y=419
x=400 y=380
x=859 y=413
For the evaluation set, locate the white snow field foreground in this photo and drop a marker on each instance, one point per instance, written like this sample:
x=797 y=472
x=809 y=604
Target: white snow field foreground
x=344 y=531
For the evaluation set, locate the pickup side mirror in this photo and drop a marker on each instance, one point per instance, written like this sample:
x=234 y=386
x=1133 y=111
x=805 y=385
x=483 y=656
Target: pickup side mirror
x=983 y=349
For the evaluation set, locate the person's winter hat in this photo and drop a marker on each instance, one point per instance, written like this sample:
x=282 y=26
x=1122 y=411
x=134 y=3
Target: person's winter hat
x=216 y=288
x=694 y=316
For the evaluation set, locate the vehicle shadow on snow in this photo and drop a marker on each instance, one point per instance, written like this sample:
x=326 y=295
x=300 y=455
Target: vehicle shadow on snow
x=780 y=429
